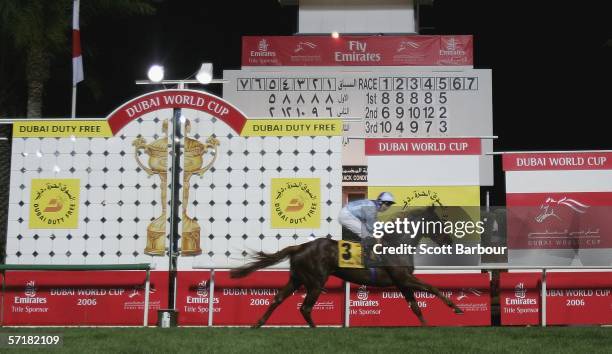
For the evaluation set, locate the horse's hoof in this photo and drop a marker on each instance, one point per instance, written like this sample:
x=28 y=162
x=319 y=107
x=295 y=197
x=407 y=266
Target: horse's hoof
x=256 y=326
x=459 y=311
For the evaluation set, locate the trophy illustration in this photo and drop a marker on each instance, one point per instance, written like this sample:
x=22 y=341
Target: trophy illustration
x=193 y=161
x=158 y=164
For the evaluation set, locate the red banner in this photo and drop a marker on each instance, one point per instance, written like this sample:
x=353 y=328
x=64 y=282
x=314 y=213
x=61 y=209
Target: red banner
x=387 y=307
x=418 y=146
x=579 y=298
x=558 y=161
x=559 y=220
x=109 y=298
x=571 y=298
x=197 y=100
x=519 y=298
x=357 y=51
x=238 y=302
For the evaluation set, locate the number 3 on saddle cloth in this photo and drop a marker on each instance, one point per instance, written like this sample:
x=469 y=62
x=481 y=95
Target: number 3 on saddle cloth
x=357 y=255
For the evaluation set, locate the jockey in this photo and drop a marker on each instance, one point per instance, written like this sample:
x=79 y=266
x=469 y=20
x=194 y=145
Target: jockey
x=359 y=216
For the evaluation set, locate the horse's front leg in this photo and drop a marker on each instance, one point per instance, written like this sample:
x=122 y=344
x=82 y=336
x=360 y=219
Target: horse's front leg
x=414 y=305
x=417 y=284
x=399 y=277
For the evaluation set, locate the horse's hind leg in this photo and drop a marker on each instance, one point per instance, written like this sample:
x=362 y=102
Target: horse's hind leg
x=312 y=294
x=285 y=292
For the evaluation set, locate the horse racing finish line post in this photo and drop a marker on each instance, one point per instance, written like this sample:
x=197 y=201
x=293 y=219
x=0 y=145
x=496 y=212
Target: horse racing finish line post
x=30 y=293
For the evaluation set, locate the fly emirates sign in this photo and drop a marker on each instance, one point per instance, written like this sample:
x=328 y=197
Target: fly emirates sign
x=357 y=52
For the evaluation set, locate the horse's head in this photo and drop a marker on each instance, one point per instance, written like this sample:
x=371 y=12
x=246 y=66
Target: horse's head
x=547 y=209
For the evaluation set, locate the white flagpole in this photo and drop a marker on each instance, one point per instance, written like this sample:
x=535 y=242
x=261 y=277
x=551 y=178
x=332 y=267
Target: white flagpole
x=74 y=95
x=77 y=59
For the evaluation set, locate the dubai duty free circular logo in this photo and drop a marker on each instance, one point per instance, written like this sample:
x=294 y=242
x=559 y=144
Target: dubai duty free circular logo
x=54 y=204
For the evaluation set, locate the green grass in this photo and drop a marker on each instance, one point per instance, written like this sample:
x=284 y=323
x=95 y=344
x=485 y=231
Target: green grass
x=323 y=340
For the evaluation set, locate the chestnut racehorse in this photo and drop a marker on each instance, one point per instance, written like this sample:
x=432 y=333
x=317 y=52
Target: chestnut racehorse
x=311 y=263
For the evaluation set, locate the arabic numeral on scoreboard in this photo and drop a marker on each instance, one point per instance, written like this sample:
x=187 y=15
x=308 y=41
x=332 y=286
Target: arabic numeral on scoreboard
x=421 y=112
x=443 y=128
x=385 y=112
x=399 y=112
x=427 y=126
x=374 y=128
x=385 y=127
x=464 y=83
x=385 y=98
x=414 y=97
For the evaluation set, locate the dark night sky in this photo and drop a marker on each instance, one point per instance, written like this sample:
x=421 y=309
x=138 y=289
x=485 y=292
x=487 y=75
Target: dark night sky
x=552 y=68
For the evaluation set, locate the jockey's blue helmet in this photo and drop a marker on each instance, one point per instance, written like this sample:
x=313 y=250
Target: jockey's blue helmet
x=386 y=197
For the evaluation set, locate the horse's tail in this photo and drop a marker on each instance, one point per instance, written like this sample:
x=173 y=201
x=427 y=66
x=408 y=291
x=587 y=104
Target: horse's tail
x=263 y=260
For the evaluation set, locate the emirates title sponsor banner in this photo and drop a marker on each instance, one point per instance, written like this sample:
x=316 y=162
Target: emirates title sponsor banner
x=82 y=298
x=397 y=103
x=409 y=146
x=387 y=306
x=519 y=298
x=558 y=161
x=571 y=298
x=357 y=50
x=244 y=301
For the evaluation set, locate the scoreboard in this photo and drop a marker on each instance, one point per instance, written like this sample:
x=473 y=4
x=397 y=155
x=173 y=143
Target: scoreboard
x=397 y=103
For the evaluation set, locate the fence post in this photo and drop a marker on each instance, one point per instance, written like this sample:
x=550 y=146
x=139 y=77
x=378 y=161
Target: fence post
x=145 y=321
x=347 y=303
x=543 y=296
x=211 y=296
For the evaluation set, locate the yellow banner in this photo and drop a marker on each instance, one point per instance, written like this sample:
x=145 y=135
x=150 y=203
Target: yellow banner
x=428 y=195
x=54 y=203
x=296 y=203
x=350 y=255
x=62 y=129
x=439 y=196
x=292 y=127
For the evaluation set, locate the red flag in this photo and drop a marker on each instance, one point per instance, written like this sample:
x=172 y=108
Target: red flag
x=77 y=59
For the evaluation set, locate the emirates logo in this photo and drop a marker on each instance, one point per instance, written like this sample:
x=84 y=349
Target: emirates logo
x=30 y=289
x=520 y=291
x=202 y=289
x=451 y=46
x=362 y=293
x=263 y=45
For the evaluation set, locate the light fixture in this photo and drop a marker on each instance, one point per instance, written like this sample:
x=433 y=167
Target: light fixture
x=205 y=74
x=335 y=34
x=156 y=73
